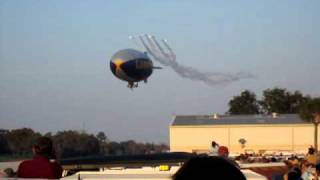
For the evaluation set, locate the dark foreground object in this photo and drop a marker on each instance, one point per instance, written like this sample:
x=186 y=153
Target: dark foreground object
x=126 y=161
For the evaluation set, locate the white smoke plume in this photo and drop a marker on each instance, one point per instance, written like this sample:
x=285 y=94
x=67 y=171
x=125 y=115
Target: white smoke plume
x=164 y=54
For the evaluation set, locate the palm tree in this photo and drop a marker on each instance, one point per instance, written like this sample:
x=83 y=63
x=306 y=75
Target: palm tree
x=310 y=112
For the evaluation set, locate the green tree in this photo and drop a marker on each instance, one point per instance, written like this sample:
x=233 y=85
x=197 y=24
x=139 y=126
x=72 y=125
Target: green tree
x=281 y=101
x=310 y=112
x=103 y=140
x=4 y=145
x=246 y=103
x=102 y=137
x=21 y=140
x=296 y=100
x=75 y=144
x=159 y=148
x=129 y=147
x=114 y=148
x=275 y=100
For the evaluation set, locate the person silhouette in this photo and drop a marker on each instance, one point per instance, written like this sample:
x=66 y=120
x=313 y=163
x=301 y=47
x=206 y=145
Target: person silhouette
x=41 y=166
x=208 y=167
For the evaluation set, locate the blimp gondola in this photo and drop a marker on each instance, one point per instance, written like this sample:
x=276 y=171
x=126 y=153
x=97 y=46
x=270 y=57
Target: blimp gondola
x=132 y=66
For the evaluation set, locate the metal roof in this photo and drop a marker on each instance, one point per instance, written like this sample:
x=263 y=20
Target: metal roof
x=192 y=120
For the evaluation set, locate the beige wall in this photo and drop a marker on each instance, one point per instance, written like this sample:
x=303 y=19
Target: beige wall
x=259 y=137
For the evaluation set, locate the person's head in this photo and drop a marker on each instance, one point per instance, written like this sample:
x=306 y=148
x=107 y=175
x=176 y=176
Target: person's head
x=311 y=150
x=208 y=167
x=43 y=146
x=213 y=144
x=294 y=174
x=223 y=151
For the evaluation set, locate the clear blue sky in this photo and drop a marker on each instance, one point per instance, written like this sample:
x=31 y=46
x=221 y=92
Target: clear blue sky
x=54 y=60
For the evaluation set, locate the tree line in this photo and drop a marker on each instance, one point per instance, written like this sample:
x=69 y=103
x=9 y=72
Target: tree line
x=19 y=142
x=278 y=100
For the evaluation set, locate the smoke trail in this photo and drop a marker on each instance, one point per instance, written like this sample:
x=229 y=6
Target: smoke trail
x=160 y=48
x=152 y=46
x=173 y=55
x=169 y=59
x=137 y=42
x=148 y=49
x=155 y=54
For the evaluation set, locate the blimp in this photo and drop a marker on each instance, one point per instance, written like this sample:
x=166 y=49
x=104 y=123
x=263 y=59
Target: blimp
x=132 y=66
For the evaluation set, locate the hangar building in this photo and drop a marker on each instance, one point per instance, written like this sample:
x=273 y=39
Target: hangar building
x=276 y=132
